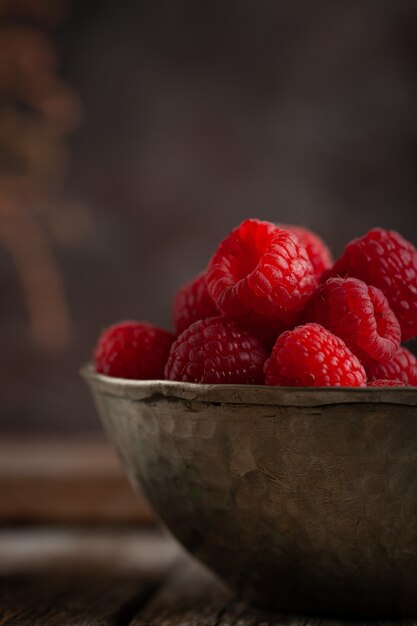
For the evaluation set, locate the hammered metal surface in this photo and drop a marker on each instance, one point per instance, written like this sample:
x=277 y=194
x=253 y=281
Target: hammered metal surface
x=309 y=506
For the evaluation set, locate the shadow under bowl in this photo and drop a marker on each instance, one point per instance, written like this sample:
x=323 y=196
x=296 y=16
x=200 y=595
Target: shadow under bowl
x=301 y=499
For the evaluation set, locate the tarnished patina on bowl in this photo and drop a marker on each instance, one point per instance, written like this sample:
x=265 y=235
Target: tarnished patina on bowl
x=301 y=499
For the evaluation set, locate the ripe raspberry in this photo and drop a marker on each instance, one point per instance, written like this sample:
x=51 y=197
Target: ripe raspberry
x=192 y=303
x=262 y=269
x=318 y=253
x=386 y=383
x=403 y=366
x=311 y=356
x=384 y=259
x=358 y=314
x=135 y=350
x=216 y=350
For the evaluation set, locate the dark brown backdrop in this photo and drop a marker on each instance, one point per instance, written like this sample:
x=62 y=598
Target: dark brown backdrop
x=196 y=115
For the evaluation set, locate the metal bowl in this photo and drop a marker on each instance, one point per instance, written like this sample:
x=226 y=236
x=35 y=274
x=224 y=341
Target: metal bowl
x=300 y=499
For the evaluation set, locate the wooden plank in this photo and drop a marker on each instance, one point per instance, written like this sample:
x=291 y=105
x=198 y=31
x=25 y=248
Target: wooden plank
x=94 y=578
x=191 y=596
x=65 y=481
x=71 y=599
x=119 y=578
x=194 y=597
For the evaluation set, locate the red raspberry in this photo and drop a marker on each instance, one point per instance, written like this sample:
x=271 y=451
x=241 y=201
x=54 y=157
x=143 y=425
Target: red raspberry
x=319 y=254
x=262 y=269
x=384 y=259
x=192 y=303
x=358 y=314
x=135 y=350
x=311 y=356
x=386 y=383
x=216 y=350
x=403 y=366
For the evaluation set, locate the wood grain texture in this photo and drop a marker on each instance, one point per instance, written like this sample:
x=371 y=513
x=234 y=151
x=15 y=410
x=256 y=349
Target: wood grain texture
x=94 y=578
x=59 y=599
x=194 y=597
x=65 y=481
x=70 y=577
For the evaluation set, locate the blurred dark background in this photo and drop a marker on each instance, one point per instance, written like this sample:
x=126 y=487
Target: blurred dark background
x=135 y=135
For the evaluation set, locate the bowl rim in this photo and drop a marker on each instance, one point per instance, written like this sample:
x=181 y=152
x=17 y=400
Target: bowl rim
x=154 y=390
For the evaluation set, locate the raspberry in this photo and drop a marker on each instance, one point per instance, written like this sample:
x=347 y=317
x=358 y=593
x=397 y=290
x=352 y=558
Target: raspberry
x=262 y=269
x=216 y=350
x=358 y=314
x=403 y=366
x=192 y=303
x=135 y=350
x=386 y=383
x=384 y=259
x=318 y=253
x=311 y=356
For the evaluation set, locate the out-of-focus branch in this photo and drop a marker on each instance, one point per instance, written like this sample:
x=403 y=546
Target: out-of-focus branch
x=39 y=275
x=37 y=111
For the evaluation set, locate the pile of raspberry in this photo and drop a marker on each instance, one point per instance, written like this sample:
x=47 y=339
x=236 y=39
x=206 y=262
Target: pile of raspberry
x=273 y=308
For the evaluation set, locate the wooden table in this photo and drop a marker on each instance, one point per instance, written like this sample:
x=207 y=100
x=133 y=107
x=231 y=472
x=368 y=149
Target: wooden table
x=114 y=577
x=102 y=577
